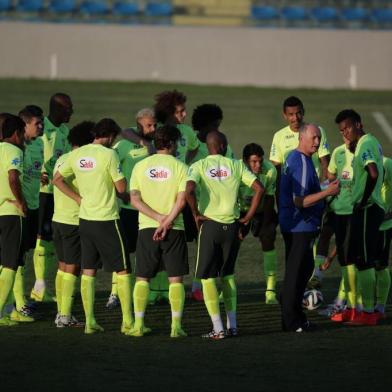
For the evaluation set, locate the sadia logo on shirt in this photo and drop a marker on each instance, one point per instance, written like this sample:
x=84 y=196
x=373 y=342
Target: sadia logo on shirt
x=87 y=163
x=218 y=173
x=158 y=173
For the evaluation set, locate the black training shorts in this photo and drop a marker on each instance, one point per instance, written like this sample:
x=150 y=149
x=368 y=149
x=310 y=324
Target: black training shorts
x=66 y=239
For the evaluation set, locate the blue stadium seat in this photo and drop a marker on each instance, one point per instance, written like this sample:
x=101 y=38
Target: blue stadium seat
x=294 y=13
x=158 y=9
x=382 y=15
x=354 y=14
x=62 y=6
x=260 y=12
x=94 y=8
x=5 y=5
x=324 y=14
x=125 y=8
x=30 y=5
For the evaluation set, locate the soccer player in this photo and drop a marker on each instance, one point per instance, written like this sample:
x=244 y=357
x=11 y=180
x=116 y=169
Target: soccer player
x=96 y=168
x=129 y=154
x=368 y=209
x=66 y=236
x=383 y=276
x=55 y=144
x=300 y=210
x=264 y=222
x=287 y=139
x=32 y=162
x=217 y=180
x=12 y=209
x=158 y=192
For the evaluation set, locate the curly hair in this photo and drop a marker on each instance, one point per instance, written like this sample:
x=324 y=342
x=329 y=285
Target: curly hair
x=165 y=104
x=206 y=116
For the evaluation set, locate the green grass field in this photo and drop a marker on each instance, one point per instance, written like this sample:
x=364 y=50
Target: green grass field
x=41 y=357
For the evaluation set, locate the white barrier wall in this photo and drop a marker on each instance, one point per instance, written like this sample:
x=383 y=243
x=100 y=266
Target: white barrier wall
x=229 y=56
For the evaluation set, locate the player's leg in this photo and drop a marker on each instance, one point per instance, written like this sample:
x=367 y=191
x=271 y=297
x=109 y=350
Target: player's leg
x=44 y=249
x=207 y=269
x=58 y=242
x=383 y=275
x=175 y=260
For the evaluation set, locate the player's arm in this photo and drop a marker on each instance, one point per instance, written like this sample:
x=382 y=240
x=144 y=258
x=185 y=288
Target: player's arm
x=190 y=154
x=324 y=162
x=167 y=223
x=371 y=181
x=59 y=182
x=258 y=191
x=16 y=189
x=192 y=201
x=121 y=190
x=312 y=199
x=140 y=205
x=132 y=136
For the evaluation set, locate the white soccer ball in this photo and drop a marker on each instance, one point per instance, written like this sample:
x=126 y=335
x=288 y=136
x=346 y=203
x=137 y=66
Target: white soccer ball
x=312 y=299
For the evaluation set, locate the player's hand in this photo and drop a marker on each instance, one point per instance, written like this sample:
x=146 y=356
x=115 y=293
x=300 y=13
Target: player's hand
x=199 y=220
x=241 y=235
x=79 y=200
x=124 y=197
x=44 y=178
x=20 y=205
x=161 y=218
x=327 y=263
x=333 y=188
x=160 y=233
x=245 y=220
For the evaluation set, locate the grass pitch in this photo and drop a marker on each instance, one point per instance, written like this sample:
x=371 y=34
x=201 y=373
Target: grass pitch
x=41 y=357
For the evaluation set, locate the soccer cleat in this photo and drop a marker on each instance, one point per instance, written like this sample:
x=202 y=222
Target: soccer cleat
x=306 y=327
x=344 y=316
x=113 y=302
x=20 y=318
x=214 y=335
x=41 y=296
x=177 y=332
x=231 y=333
x=138 y=332
x=197 y=295
x=270 y=298
x=5 y=321
x=92 y=328
x=126 y=328
x=26 y=310
x=68 y=321
x=364 y=318
x=381 y=315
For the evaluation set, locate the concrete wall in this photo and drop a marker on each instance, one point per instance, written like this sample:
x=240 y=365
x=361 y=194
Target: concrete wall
x=229 y=56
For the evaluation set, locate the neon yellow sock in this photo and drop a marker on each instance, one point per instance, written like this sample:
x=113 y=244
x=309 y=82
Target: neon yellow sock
x=177 y=300
x=18 y=290
x=114 y=284
x=125 y=296
x=39 y=260
x=211 y=299
x=367 y=280
x=7 y=278
x=88 y=298
x=383 y=285
x=229 y=290
x=350 y=282
x=341 y=292
x=270 y=262
x=68 y=291
x=140 y=298
x=59 y=285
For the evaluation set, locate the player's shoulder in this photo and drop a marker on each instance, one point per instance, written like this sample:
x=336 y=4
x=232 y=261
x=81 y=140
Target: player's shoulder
x=185 y=129
x=283 y=132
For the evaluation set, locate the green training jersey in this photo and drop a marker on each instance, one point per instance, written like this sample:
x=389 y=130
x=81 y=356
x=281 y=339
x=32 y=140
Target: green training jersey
x=219 y=179
x=202 y=152
x=32 y=166
x=66 y=210
x=286 y=140
x=267 y=177
x=368 y=150
x=55 y=141
x=340 y=165
x=159 y=178
x=96 y=169
x=386 y=194
x=129 y=154
x=188 y=141
x=11 y=158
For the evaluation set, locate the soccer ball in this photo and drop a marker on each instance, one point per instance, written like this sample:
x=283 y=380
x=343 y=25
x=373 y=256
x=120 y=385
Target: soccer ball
x=312 y=299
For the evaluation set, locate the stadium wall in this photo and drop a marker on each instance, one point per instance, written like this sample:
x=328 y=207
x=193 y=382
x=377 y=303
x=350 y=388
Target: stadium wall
x=208 y=55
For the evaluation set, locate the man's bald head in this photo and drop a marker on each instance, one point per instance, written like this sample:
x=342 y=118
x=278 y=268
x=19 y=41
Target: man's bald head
x=60 y=108
x=309 y=139
x=216 y=143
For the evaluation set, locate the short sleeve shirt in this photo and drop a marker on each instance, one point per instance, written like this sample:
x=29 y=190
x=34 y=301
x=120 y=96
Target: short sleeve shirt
x=32 y=166
x=341 y=166
x=55 y=142
x=286 y=140
x=96 y=168
x=299 y=179
x=66 y=210
x=368 y=150
x=386 y=193
x=159 y=178
x=11 y=158
x=129 y=154
x=218 y=179
x=267 y=177
x=188 y=141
